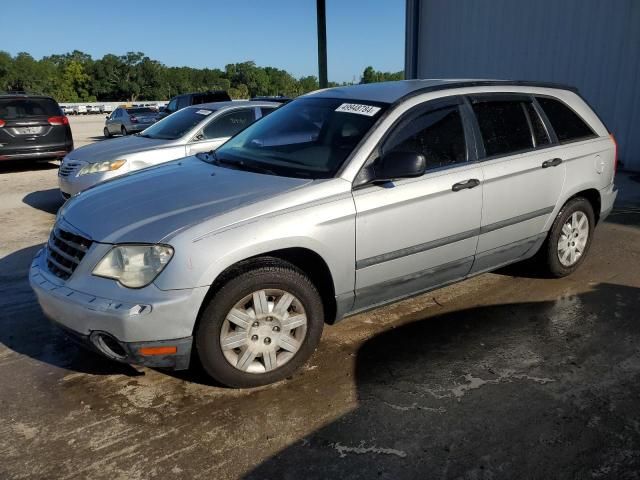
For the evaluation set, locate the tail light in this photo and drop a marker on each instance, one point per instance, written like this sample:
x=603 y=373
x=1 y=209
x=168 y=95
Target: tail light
x=615 y=153
x=60 y=120
x=133 y=119
x=2 y=123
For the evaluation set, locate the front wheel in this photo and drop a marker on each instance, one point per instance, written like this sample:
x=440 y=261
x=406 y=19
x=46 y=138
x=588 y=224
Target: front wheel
x=569 y=238
x=261 y=326
x=106 y=132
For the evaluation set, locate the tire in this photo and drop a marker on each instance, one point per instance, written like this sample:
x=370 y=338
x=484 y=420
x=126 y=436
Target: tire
x=237 y=364
x=106 y=132
x=564 y=235
x=123 y=131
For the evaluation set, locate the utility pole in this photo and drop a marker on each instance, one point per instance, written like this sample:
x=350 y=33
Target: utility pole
x=322 y=43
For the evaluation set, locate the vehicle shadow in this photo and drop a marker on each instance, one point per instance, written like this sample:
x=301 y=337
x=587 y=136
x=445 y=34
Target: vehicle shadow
x=46 y=200
x=522 y=390
x=25 y=330
x=11 y=166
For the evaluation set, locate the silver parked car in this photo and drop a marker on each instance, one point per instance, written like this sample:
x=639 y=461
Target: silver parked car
x=337 y=202
x=189 y=131
x=125 y=120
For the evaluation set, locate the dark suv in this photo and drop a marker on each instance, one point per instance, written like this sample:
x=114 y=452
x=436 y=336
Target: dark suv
x=188 y=99
x=33 y=127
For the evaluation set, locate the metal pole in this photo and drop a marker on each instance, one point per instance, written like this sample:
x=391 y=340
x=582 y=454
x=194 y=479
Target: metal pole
x=322 y=43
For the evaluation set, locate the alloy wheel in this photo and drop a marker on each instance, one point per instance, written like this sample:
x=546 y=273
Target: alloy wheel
x=573 y=238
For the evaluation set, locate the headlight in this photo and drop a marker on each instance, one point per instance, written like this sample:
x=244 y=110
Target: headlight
x=134 y=266
x=107 y=166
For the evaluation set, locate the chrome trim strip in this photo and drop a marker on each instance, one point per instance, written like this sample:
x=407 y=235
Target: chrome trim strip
x=53 y=247
x=440 y=242
x=58 y=265
x=70 y=243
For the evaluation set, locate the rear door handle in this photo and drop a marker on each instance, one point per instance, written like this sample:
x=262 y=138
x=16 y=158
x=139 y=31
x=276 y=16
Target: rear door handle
x=552 y=163
x=471 y=183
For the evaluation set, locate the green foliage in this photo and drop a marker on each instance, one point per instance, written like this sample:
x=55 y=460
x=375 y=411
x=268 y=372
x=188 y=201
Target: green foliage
x=77 y=77
x=371 y=76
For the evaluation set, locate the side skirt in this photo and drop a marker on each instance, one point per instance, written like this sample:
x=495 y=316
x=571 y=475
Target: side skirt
x=431 y=279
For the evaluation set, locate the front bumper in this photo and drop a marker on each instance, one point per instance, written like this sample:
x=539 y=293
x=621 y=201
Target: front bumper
x=119 y=328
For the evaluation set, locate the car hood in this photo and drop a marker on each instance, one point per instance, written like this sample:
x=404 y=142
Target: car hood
x=115 y=148
x=149 y=205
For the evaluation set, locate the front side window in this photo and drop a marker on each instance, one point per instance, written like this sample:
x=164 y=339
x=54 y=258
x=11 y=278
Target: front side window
x=437 y=134
x=228 y=124
x=172 y=106
x=266 y=110
x=178 y=124
x=503 y=125
x=308 y=137
x=566 y=123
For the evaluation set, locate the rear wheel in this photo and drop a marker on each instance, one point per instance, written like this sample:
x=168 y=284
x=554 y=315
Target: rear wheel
x=106 y=132
x=123 y=131
x=569 y=239
x=260 y=327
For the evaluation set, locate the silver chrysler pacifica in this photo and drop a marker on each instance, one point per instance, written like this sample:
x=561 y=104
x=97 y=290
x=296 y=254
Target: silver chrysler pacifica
x=340 y=201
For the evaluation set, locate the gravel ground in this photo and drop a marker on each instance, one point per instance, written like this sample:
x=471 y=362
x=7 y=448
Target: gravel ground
x=503 y=376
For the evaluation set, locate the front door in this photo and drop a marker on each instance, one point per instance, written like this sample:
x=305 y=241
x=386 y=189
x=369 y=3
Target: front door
x=415 y=234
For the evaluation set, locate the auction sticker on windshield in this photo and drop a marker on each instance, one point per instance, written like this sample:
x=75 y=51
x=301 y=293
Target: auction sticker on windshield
x=367 y=110
x=204 y=112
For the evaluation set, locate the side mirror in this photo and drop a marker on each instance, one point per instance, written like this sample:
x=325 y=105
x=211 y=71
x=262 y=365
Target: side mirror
x=107 y=117
x=395 y=165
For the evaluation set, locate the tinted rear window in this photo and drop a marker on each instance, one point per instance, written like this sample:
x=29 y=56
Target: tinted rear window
x=140 y=110
x=566 y=123
x=504 y=127
x=28 y=107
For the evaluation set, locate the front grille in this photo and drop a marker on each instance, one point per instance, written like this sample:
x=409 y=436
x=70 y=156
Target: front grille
x=69 y=167
x=65 y=251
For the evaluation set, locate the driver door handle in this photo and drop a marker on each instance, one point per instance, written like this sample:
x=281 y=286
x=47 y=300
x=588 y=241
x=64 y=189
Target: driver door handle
x=471 y=183
x=554 y=162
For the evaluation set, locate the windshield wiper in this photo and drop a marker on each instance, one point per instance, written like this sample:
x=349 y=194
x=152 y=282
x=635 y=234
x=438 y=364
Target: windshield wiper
x=241 y=165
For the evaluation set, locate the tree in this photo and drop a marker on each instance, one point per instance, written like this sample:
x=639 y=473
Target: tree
x=76 y=76
x=372 y=76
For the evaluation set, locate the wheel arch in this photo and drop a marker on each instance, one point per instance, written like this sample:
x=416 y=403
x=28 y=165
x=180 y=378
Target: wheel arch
x=307 y=260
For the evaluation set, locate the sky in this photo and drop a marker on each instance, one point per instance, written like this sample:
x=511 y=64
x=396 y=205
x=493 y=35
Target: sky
x=200 y=33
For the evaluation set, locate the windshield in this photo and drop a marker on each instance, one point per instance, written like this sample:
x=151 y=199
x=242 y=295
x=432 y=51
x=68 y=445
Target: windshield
x=177 y=124
x=309 y=137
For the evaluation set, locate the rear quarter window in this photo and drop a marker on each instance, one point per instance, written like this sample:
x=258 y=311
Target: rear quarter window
x=567 y=124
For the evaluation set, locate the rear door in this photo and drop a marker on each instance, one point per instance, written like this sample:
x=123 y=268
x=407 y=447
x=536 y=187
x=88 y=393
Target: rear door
x=31 y=123
x=417 y=233
x=220 y=129
x=523 y=174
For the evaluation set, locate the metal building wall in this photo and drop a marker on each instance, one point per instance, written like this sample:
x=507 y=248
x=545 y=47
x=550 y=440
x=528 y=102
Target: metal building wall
x=591 y=44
